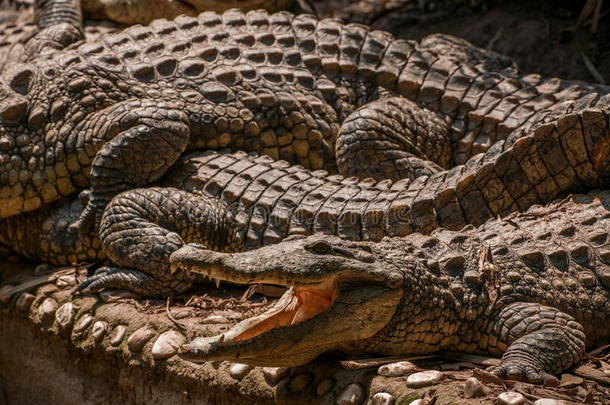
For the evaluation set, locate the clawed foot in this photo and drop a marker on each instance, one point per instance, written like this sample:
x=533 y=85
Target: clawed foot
x=129 y=280
x=512 y=370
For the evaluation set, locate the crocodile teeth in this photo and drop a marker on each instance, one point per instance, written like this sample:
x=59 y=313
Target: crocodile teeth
x=217 y=281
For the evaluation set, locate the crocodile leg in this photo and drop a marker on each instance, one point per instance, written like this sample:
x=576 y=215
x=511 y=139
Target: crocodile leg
x=143 y=227
x=60 y=23
x=132 y=280
x=149 y=141
x=393 y=138
x=545 y=341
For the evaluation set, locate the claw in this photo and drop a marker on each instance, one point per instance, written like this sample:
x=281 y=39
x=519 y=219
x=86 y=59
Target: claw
x=522 y=372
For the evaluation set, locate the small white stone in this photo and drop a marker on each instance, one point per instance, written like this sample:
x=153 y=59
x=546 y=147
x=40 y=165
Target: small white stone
x=511 y=398
x=118 y=335
x=239 y=371
x=83 y=323
x=417 y=402
x=138 y=340
x=65 y=315
x=397 y=369
x=473 y=388
x=167 y=344
x=212 y=319
x=24 y=302
x=548 y=401
x=424 y=378
x=98 y=331
x=383 y=398
x=66 y=281
x=47 y=309
x=353 y=394
x=274 y=374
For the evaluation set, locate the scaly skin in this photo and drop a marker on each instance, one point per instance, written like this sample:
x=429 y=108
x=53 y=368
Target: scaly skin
x=14 y=37
x=236 y=202
x=279 y=84
x=61 y=21
x=535 y=287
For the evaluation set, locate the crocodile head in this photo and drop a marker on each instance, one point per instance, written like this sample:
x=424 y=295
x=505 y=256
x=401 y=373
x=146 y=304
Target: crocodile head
x=22 y=149
x=340 y=293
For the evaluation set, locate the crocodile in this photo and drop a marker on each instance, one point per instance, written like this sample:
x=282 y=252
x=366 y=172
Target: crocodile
x=235 y=202
x=60 y=22
x=144 y=11
x=276 y=84
x=533 y=287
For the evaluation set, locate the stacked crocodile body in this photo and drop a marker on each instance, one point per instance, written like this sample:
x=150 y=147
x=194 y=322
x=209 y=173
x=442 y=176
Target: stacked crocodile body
x=463 y=134
x=235 y=202
x=89 y=112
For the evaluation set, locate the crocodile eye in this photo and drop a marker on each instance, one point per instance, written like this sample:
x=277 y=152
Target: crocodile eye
x=320 y=247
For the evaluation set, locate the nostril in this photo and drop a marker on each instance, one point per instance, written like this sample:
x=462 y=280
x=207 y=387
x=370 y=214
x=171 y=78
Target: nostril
x=6 y=143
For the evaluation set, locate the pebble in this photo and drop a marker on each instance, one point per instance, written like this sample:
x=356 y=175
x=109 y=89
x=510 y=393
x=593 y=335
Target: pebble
x=397 y=369
x=324 y=386
x=214 y=319
x=167 y=344
x=274 y=374
x=83 y=323
x=239 y=371
x=548 y=401
x=511 y=398
x=65 y=315
x=47 y=309
x=24 y=302
x=383 y=398
x=118 y=335
x=136 y=342
x=66 y=281
x=473 y=388
x=300 y=382
x=353 y=394
x=98 y=331
x=424 y=378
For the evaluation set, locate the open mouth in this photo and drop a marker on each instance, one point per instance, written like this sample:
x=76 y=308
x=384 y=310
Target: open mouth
x=329 y=296
x=298 y=304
